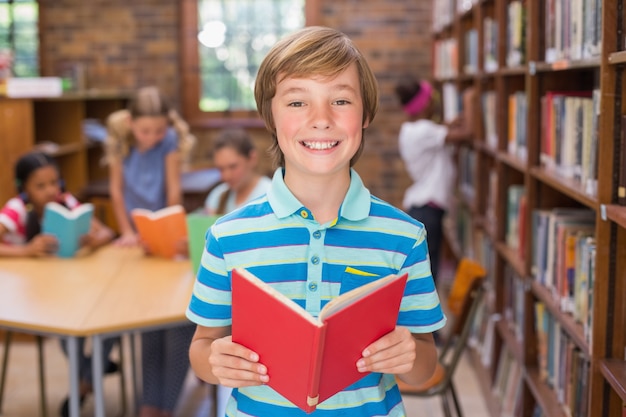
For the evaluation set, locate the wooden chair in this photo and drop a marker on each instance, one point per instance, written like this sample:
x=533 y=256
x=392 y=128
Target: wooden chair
x=465 y=296
x=42 y=387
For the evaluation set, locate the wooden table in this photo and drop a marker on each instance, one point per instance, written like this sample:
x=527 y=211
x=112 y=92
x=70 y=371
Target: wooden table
x=107 y=293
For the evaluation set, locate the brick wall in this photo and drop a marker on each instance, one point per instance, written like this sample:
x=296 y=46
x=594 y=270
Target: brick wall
x=395 y=38
x=126 y=44
x=121 y=44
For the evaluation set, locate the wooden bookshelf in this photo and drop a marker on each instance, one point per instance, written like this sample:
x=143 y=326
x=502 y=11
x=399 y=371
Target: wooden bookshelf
x=55 y=126
x=524 y=82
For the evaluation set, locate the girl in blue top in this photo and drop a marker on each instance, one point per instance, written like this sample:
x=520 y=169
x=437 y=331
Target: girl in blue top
x=145 y=147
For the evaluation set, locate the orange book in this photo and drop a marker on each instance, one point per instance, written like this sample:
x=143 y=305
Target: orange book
x=164 y=231
x=310 y=359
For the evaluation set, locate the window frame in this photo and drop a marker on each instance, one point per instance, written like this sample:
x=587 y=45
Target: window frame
x=190 y=73
x=40 y=53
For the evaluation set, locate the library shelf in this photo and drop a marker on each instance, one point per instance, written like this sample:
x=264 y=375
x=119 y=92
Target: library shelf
x=512 y=161
x=518 y=62
x=616 y=213
x=569 y=187
x=573 y=329
x=544 y=394
x=614 y=370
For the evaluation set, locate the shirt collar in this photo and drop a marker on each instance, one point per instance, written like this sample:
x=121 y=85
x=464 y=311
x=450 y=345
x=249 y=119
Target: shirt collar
x=355 y=206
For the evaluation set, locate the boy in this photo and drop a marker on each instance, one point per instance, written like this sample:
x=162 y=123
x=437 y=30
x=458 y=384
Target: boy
x=317 y=233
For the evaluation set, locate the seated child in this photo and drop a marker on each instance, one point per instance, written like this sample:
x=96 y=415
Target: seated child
x=38 y=182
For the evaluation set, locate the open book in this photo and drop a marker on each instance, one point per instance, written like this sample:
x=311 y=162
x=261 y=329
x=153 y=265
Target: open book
x=162 y=231
x=310 y=359
x=197 y=226
x=67 y=225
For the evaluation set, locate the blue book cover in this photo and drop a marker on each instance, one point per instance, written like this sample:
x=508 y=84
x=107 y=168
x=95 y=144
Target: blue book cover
x=68 y=226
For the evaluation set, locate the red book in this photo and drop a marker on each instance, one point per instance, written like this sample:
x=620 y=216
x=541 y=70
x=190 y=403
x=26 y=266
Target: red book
x=310 y=359
x=163 y=232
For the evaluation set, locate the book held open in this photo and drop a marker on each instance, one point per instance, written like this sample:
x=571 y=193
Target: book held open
x=310 y=359
x=67 y=225
x=162 y=231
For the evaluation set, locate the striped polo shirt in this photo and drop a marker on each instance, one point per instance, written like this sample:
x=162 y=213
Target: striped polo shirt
x=277 y=239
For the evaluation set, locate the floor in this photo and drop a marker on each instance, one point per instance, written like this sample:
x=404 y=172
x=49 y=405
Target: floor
x=21 y=397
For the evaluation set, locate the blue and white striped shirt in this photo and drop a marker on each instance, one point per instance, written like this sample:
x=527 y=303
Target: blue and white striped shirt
x=277 y=239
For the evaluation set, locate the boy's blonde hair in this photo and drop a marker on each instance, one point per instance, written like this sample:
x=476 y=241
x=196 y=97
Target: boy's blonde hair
x=313 y=50
x=147 y=101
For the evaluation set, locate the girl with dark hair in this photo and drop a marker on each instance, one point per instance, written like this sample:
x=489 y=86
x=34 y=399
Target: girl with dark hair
x=38 y=182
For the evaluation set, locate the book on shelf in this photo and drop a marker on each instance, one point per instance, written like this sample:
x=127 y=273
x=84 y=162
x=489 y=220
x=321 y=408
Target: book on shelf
x=67 y=225
x=542 y=325
x=621 y=182
x=310 y=359
x=197 y=227
x=490 y=44
x=516 y=34
x=544 y=239
x=161 y=231
x=517 y=135
x=514 y=196
x=572 y=30
x=568 y=141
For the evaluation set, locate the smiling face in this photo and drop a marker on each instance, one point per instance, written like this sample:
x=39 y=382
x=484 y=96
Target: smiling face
x=319 y=121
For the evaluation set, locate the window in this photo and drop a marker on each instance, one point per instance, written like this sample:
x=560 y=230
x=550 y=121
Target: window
x=19 y=34
x=234 y=36
x=224 y=42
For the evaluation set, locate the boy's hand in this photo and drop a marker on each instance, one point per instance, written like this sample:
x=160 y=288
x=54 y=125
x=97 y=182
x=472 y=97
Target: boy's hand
x=42 y=245
x=235 y=365
x=394 y=353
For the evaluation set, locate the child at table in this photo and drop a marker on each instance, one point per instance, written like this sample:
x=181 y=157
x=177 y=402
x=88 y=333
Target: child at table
x=146 y=146
x=38 y=182
x=317 y=95
x=236 y=157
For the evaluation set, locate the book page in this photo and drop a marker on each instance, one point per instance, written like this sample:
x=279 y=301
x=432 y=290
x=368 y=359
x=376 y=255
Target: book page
x=70 y=213
x=350 y=297
x=288 y=302
x=164 y=212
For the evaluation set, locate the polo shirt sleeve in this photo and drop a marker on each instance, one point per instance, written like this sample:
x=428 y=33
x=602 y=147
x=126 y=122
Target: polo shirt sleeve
x=420 y=309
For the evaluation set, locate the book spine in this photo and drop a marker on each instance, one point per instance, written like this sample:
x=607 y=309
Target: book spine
x=621 y=186
x=316 y=369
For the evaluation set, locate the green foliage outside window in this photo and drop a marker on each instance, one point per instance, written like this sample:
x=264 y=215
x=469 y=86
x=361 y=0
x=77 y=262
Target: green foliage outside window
x=234 y=36
x=19 y=34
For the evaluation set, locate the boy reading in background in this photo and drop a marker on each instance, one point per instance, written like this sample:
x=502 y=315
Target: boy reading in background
x=236 y=158
x=316 y=234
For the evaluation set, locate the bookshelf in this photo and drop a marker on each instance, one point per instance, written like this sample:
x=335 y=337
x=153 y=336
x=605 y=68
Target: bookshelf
x=55 y=125
x=539 y=189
